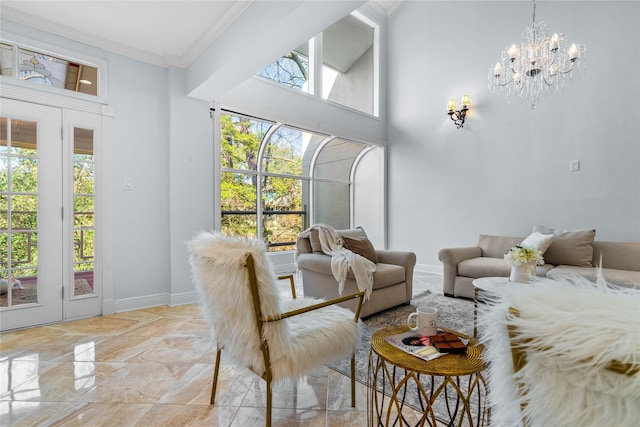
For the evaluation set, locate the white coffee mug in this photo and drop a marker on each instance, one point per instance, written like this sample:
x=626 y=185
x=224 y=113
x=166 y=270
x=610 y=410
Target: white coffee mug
x=426 y=322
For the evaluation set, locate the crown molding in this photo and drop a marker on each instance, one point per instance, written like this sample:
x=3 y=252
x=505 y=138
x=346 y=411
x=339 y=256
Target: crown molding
x=167 y=60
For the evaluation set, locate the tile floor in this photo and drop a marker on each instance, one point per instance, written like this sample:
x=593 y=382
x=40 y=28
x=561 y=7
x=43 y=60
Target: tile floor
x=152 y=367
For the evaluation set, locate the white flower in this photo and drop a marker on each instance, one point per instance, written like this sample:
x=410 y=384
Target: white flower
x=519 y=255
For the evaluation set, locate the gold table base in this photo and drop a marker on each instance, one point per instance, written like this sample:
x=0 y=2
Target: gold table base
x=455 y=381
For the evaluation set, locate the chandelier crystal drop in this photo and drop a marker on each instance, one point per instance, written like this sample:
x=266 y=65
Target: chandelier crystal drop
x=538 y=65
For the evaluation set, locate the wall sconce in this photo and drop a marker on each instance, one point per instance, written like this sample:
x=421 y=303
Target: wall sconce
x=458 y=116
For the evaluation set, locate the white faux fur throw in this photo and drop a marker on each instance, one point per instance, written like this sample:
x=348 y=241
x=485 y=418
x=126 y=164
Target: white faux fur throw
x=296 y=344
x=342 y=258
x=576 y=328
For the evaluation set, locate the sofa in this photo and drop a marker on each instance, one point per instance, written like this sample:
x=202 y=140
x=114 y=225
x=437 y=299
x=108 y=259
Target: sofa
x=570 y=253
x=392 y=280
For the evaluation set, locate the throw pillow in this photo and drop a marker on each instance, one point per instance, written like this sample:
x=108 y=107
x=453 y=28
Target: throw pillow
x=569 y=247
x=315 y=241
x=361 y=246
x=538 y=241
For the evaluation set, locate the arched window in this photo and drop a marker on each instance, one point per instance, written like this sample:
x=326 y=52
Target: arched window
x=276 y=179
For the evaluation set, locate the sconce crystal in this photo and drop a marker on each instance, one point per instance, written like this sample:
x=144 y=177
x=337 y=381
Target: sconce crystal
x=458 y=116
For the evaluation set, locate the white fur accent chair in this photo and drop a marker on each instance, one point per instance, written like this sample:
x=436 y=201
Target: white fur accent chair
x=275 y=338
x=563 y=353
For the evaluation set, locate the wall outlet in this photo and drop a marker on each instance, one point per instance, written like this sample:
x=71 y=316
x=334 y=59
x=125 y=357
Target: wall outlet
x=128 y=183
x=574 y=165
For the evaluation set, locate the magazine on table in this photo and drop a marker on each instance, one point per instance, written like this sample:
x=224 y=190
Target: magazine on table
x=415 y=344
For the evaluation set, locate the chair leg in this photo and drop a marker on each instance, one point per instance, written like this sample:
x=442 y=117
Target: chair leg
x=353 y=379
x=268 y=404
x=215 y=376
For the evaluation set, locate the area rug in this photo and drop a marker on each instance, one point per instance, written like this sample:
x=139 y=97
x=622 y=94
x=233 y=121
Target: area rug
x=453 y=313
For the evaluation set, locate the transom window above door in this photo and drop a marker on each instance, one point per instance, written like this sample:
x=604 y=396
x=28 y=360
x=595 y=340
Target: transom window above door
x=45 y=69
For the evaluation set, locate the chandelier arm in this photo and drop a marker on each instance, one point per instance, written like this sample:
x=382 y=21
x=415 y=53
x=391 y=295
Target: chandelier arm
x=553 y=60
x=504 y=82
x=568 y=70
x=513 y=70
x=537 y=65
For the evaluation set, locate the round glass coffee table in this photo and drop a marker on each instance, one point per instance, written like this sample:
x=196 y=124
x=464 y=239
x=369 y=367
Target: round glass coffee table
x=450 y=389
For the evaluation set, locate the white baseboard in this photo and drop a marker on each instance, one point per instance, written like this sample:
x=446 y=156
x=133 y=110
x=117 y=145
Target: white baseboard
x=183 y=298
x=427 y=268
x=137 y=303
x=108 y=307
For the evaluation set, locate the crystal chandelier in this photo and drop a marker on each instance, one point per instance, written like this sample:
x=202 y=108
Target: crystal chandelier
x=540 y=64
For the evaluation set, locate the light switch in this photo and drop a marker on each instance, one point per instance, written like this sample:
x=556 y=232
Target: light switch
x=128 y=183
x=574 y=165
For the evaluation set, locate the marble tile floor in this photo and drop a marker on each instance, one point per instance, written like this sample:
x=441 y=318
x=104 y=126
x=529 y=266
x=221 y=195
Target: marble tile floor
x=153 y=367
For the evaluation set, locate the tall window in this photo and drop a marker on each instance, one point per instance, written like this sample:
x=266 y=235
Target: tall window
x=348 y=74
x=240 y=142
x=348 y=64
x=275 y=179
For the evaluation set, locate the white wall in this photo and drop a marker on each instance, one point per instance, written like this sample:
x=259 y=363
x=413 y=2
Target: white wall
x=191 y=189
x=138 y=95
x=163 y=140
x=508 y=168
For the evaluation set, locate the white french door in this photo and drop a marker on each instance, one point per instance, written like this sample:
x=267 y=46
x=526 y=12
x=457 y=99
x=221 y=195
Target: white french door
x=82 y=296
x=48 y=267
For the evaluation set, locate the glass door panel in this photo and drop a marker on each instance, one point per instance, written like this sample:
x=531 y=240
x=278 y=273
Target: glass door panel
x=30 y=219
x=81 y=177
x=19 y=239
x=83 y=212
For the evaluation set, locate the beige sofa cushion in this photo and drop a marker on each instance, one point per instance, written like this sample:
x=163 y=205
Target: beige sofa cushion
x=352 y=232
x=484 y=267
x=361 y=246
x=624 y=278
x=314 y=240
x=569 y=247
x=497 y=246
x=492 y=267
x=618 y=255
x=312 y=243
x=385 y=274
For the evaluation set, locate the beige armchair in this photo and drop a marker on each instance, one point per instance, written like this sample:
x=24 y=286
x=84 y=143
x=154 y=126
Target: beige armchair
x=392 y=281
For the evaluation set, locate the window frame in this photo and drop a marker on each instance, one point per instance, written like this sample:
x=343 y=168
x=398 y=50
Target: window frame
x=309 y=214
x=316 y=70
x=19 y=42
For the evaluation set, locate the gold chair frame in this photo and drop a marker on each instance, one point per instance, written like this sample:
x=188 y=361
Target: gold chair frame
x=267 y=375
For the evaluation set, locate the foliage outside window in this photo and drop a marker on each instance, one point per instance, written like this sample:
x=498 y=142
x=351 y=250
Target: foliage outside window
x=83 y=207
x=291 y=69
x=268 y=173
x=18 y=201
x=261 y=192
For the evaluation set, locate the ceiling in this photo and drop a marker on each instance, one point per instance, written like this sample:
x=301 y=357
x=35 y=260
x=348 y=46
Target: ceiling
x=145 y=30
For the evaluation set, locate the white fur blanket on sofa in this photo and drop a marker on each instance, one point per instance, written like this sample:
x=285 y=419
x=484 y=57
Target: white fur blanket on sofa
x=296 y=344
x=573 y=329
